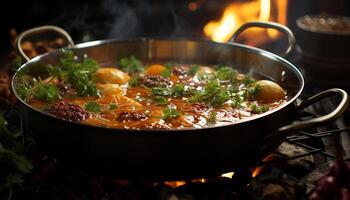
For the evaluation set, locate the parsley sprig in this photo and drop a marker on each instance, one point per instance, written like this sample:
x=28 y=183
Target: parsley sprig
x=170 y=113
x=131 y=65
x=93 y=106
x=178 y=90
x=29 y=87
x=80 y=75
x=213 y=94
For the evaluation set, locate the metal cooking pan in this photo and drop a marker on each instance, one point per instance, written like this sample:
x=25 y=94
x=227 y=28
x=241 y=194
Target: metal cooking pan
x=185 y=153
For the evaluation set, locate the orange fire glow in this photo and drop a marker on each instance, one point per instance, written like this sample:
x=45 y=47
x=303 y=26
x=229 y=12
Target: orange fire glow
x=239 y=13
x=259 y=169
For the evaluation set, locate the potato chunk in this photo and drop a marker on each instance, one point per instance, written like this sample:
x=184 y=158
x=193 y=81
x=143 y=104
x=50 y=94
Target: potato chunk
x=269 y=91
x=205 y=70
x=109 y=89
x=112 y=75
x=155 y=69
x=122 y=101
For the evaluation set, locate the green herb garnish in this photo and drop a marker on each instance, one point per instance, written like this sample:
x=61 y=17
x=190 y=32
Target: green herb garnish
x=161 y=91
x=113 y=106
x=45 y=92
x=133 y=81
x=251 y=92
x=212 y=117
x=31 y=88
x=255 y=108
x=80 y=75
x=213 y=94
x=160 y=100
x=93 y=106
x=237 y=100
x=178 y=90
x=193 y=69
x=131 y=65
x=166 y=73
x=227 y=73
x=170 y=113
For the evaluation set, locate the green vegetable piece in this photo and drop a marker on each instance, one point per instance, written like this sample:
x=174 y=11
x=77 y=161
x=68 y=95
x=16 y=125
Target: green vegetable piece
x=46 y=92
x=131 y=65
x=160 y=100
x=160 y=91
x=133 y=81
x=251 y=92
x=212 y=94
x=170 y=113
x=255 y=108
x=178 y=90
x=23 y=91
x=227 y=73
x=113 y=106
x=236 y=100
x=93 y=106
x=193 y=69
x=80 y=75
x=212 y=117
x=166 y=73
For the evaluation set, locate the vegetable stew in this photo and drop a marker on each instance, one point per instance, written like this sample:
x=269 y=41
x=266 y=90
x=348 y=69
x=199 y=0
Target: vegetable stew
x=138 y=95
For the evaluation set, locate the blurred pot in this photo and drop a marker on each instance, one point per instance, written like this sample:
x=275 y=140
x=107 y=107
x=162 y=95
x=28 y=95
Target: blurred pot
x=325 y=36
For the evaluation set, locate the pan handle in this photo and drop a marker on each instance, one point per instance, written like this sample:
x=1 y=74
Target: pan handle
x=273 y=25
x=302 y=125
x=37 y=31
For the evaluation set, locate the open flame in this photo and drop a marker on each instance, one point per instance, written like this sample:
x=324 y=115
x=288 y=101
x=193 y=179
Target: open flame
x=239 y=13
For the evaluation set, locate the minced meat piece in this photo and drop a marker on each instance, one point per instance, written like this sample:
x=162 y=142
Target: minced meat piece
x=181 y=70
x=154 y=81
x=69 y=112
x=199 y=107
x=131 y=116
x=63 y=88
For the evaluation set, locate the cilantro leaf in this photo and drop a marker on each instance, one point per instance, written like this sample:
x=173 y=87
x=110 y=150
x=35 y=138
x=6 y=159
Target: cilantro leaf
x=160 y=91
x=113 y=106
x=46 y=92
x=227 y=73
x=131 y=65
x=133 y=81
x=255 y=108
x=166 y=73
x=212 y=94
x=193 y=69
x=178 y=90
x=80 y=75
x=170 y=113
x=212 y=117
x=93 y=106
x=160 y=100
x=28 y=87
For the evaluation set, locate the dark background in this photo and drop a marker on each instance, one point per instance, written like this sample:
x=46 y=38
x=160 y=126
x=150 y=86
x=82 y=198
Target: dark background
x=99 y=19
